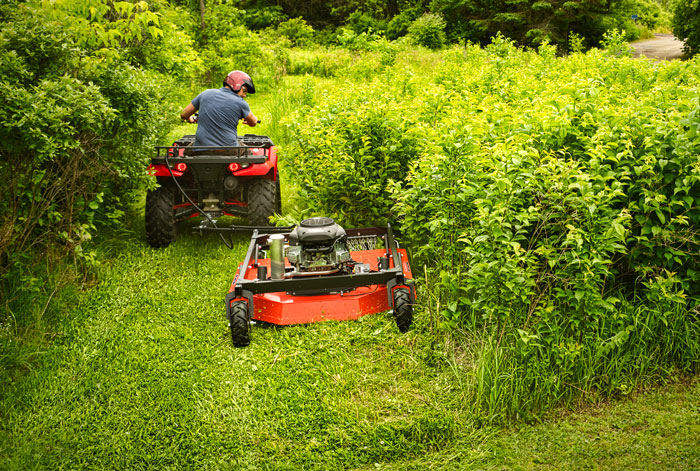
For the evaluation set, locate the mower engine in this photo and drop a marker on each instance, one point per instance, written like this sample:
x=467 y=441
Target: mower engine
x=318 y=246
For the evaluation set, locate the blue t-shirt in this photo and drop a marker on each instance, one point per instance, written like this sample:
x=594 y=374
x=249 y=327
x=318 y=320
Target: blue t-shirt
x=219 y=112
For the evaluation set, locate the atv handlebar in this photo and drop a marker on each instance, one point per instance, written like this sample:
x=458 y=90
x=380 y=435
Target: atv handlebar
x=195 y=118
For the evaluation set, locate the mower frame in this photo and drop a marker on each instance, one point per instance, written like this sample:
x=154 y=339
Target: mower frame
x=390 y=277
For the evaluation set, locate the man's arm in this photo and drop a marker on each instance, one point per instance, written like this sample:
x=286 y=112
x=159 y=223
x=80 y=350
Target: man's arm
x=250 y=120
x=188 y=112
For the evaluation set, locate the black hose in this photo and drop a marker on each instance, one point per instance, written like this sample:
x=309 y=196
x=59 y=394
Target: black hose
x=201 y=211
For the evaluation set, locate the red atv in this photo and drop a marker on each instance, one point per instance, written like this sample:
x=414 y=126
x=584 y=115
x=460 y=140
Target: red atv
x=211 y=182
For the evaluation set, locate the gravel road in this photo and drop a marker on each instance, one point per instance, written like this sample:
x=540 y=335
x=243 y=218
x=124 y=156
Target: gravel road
x=662 y=47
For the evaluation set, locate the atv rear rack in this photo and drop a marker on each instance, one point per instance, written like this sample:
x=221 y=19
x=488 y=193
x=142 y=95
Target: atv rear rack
x=210 y=155
x=219 y=155
x=245 y=288
x=216 y=154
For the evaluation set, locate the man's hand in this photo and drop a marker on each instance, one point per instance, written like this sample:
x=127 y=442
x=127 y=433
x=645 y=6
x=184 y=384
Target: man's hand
x=251 y=120
x=188 y=114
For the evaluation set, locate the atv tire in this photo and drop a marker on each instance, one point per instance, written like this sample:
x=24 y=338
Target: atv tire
x=160 y=216
x=403 y=310
x=240 y=326
x=262 y=201
x=278 y=195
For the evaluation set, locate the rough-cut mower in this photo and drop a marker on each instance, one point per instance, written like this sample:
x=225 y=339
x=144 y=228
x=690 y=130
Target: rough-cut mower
x=290 y=275
x=320 y=271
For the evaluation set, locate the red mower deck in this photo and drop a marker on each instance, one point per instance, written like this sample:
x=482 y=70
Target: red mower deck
x=284 y=309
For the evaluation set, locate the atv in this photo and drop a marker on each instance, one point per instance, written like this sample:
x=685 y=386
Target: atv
x=212 y=182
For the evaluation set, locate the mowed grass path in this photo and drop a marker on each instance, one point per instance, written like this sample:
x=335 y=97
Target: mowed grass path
x=142 y=375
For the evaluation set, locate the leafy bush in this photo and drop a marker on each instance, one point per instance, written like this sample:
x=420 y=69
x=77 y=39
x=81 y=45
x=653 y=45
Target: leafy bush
x=361 y=22
x=348 y=171
x=554 y=203
x=399 y=24
x=240 y=50
x=615 y=43
x=264 y=17
x=78 y=125
x=543 y=222
x=366 y=41
x=297 y=31
x=650 y=14
x=428 y=31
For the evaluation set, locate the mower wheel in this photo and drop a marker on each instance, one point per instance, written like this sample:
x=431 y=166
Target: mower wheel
x=160 y=216
x=403 y=311
x=262 y=201
x=240 y=327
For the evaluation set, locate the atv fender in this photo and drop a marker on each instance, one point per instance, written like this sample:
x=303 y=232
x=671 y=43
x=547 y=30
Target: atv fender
x=267 y=169
x=261 y=170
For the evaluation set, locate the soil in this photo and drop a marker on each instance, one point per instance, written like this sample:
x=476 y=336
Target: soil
x=662 y=47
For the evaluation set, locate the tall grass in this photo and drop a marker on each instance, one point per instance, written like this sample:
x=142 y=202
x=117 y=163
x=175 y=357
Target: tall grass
x=511 y=377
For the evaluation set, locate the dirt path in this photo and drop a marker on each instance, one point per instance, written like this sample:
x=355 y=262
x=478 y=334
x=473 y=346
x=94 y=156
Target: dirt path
x=662 y=47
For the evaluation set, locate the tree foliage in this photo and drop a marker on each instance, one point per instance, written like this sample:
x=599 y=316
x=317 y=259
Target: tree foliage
x=533 y=22
x=428 y=31
x=529 y=22
x=686 y=24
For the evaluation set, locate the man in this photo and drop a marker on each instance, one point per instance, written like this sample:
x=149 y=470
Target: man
x=220 y=109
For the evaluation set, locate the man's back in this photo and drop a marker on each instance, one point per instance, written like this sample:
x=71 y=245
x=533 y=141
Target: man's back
x=220 y=110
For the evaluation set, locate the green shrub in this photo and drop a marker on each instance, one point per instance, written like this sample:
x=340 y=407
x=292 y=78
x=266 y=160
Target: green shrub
x=297 y=31
x=428 y=30
x=361 y=22
x=366 y=41
x=615 y=43
x=553 y=201
x=347 y=171
x=78 y=125
x=399 y=24
x=264 y=17
x=650 y=14
x=686 y=25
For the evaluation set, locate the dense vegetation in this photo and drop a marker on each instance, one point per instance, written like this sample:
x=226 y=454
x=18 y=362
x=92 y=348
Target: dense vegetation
x=552 y=205
x=528 y=22
x=79 y=112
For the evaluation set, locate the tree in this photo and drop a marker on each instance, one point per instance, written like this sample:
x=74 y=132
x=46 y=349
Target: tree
x=531 y=22
x=686 y=24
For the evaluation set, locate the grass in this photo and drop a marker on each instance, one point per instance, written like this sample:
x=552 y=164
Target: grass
x=142 y=371
x=657 y=430
x=138 y=372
